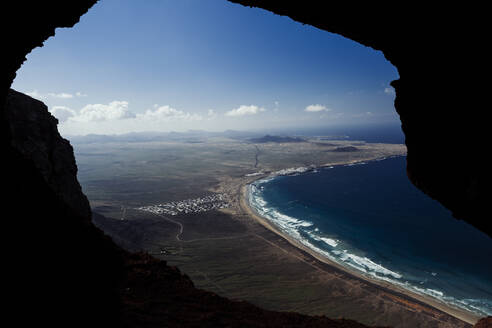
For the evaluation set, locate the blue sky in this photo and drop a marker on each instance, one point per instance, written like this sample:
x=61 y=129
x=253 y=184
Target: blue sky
x=211 y=65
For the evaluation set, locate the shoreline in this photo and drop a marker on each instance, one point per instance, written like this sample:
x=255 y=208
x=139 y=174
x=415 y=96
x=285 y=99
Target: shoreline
x=310 y=168
x=461 y=314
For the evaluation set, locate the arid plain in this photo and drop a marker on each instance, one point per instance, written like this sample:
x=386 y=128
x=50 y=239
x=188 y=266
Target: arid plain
x=224 y=248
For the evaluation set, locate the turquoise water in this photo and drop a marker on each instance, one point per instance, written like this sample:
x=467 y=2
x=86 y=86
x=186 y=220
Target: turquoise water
x=370 y=218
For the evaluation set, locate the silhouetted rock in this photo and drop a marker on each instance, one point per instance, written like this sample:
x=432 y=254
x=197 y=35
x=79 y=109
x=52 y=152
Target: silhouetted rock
x=276 y=139
x=35 y=136
x=347 y=149
x=157 y=295
x=484 y=323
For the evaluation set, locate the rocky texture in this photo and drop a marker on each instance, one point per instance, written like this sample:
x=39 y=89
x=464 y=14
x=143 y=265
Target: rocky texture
x=156 y=295
x=484 y=323
x=60 y=269
x=35 y=136
x=26 y=25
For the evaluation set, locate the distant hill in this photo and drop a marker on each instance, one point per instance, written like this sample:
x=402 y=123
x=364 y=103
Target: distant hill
x=190 y=136
x=278 y=139
x=345 y=149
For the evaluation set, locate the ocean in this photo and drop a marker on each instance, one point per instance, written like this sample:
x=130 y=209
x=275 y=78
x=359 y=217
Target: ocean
x=369 y=218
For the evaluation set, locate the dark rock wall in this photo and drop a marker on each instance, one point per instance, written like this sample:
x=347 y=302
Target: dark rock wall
x=57 y=268
x=484 y=323
x=25 y=25
x=35 y=136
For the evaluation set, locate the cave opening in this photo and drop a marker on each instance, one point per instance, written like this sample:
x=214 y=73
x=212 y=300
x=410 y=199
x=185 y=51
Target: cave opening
x=123 y=104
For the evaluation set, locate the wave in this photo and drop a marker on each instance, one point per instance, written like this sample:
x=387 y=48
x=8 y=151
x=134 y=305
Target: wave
x=297 y=228
x=367 y=265
x=478 y=306
x=429 y=291
x=329 y=241
x=286 y=223
x=254 y=174
x=294 y=170
x=358 y=163
x=306 y=233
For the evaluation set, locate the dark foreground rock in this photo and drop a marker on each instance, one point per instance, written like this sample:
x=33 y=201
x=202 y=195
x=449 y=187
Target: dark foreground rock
x=484 y=323
x=156 y=295
x=34 y=135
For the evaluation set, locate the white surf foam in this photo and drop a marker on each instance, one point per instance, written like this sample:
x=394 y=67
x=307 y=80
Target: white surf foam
x=329 y=241
x=367 y=265
x=293 y=227
x=294 y=170
x=479 y=306
x=357 y=163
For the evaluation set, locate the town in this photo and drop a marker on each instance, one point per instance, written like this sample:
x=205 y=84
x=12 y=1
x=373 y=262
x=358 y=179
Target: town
x=187 y=206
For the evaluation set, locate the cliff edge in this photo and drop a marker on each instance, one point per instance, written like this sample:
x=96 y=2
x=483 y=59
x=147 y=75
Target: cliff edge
x=34 y=134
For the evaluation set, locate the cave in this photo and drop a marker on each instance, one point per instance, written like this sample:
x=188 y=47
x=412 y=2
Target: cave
x=439 y=99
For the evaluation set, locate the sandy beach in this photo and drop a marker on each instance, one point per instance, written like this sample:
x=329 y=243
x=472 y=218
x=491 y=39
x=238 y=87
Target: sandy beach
x=400 y=294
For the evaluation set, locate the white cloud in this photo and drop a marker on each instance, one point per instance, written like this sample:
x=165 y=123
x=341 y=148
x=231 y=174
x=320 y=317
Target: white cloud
x=35 y=94
x=118 y=111
x=316 y=108
x=115 y=117
x=276 y=106
x=61 y=95
x=245 y=110
x=115 y=110
x=389 y=91
x=362 y=115
x=62 y=113
x=167 y=113
x=211 y=114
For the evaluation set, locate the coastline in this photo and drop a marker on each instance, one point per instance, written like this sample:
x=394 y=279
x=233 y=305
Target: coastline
x=408 y=295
